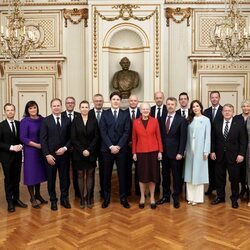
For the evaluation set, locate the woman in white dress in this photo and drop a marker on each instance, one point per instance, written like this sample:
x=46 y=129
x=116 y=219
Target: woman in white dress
x=197 y=151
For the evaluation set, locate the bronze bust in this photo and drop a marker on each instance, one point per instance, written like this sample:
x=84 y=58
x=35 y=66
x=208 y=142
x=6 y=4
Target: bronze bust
x=125 y=80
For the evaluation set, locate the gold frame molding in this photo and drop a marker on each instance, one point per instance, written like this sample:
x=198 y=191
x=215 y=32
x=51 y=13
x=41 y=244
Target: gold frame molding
x=184 y=13
x=82 y=13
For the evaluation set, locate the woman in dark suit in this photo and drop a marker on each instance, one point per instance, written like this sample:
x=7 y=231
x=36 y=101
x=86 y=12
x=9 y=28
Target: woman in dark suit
x=147 y=148
x=84 y=138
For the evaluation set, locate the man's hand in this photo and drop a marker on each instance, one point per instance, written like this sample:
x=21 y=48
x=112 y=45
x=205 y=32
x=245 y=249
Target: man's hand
x=213 y=156
x=239 y=159
x=85 y=153
x=60 y=151
x=178 y=157
x=51 y=160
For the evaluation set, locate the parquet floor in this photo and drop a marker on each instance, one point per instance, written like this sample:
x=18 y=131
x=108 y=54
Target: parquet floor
x=189 y=227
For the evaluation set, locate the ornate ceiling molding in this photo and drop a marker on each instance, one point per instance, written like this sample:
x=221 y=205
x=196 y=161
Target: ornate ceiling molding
x=71 y=14
x=178 y=15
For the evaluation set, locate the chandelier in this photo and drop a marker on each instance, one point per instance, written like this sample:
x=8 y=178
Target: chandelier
x=17 y=40
x=231 y=36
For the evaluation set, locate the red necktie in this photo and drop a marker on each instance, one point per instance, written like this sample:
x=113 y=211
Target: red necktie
x=168 y=124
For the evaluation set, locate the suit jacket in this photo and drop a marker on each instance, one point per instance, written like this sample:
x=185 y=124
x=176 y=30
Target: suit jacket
x=84 y=138
x=114 y=132
x=234 y=145
x=137 y=115
x=240 y=118
x=164 y=110
x=76 y=114
x=174 y=142
x=51 y=139
x=7 y=138
x=218 y=116
x=146 y=139
x=179 y=112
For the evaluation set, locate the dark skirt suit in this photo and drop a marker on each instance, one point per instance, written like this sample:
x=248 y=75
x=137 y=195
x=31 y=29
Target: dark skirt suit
x=84 y=137
x=146 y=143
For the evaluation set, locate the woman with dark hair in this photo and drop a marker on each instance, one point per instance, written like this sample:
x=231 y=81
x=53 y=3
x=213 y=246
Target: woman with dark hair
x=84 y=138
x=197 y=151
x=34 y=166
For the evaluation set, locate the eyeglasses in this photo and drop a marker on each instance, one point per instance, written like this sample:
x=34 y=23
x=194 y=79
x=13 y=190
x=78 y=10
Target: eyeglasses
x=70 y=102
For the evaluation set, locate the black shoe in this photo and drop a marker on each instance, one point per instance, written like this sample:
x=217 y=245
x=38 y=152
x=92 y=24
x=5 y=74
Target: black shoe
x=19 y=203
x=54 y=205
x=105 y=203
x=125 y=203
x=218 y=200
x=40 y=198
x=235 y=204
x=176 y=204
x=11 y=207
x=82 y=203
x=65 y=203
x=34 y=203
x=209 y=191
x=153 y=205
x=163 y=200
x=141 y=205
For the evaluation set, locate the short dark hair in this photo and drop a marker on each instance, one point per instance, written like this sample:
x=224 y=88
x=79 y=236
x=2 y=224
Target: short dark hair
x=115 y=93
x=9 y=104
x=55 y=99
x=28 y=105
x=214 y=92
x=84 y=101
x=183 y=93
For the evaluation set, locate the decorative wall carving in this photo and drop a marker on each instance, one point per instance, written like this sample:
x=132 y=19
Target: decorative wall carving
x=72 y=14
x=178 y=15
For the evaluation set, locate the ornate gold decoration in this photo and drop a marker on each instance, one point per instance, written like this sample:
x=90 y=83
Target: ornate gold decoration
x=231 y=36
x=71 y=14
x=2 y=69
x=126 y=13
x=181 y=13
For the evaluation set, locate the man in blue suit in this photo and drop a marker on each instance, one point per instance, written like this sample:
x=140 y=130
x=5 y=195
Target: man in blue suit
x=174 y=138
x=114 y=128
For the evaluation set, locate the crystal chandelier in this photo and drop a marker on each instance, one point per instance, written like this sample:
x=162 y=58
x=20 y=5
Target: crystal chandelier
x=231 y=36
x=16 y=41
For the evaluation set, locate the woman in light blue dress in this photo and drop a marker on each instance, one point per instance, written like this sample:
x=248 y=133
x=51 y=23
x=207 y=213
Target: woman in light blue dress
x=197 y=151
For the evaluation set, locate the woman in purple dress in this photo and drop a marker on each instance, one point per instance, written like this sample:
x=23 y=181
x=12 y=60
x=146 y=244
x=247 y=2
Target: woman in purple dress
x=34 y=166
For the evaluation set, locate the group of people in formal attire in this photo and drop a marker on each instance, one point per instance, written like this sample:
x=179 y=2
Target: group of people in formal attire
x=190 y=145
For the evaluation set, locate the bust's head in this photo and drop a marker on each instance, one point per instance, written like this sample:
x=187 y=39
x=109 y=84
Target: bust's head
x=125 y=63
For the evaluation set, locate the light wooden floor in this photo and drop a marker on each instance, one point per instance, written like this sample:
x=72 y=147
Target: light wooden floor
x=189 y=227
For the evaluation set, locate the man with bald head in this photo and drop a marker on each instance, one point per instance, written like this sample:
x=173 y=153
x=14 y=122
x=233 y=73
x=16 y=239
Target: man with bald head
x=134 y=113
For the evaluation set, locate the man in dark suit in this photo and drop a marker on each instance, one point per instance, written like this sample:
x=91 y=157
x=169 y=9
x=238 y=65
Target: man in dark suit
x=70 y=103
x=11 y=157
x=214 y=114
x=55 y=142
x=134 y=113
x=183 y=101
x=174 y=138
x=229 y=142
x=97 y=112
x=114 y=127
x=157 y=111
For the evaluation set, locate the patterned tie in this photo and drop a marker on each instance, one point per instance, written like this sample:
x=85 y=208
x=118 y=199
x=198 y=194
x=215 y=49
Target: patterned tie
x=225 y=134
x=183 y=113
x=168 y=123
x=115 y=115
x=159 y=113
x=13 y=128
x=133 y=114
x=58 y=125
x=98 y=115
x=213 y=113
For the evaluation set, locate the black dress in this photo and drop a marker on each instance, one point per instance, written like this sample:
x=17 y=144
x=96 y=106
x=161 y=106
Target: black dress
x=84 y=137
x=148 y=165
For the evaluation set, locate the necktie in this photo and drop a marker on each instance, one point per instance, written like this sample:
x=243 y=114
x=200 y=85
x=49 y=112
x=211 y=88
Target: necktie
x=168 y=123
x=225 y=134
x=13 y=128
x=70 y=116
x=159 y=113
x=115 y=115
x=133 y=114
x=58 y=125
x=98 y=115
x=213 y=113
x=183 y=113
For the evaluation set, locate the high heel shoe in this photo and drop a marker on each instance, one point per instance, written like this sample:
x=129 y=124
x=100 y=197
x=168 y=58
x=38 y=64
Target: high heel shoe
x=141 y=205
x=40 y=198
x=34 y=203
x=153 y=205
